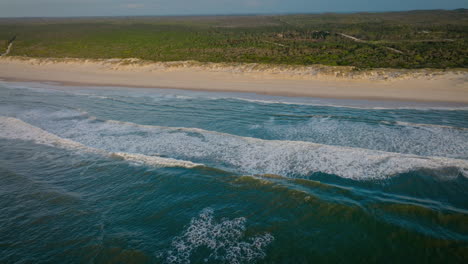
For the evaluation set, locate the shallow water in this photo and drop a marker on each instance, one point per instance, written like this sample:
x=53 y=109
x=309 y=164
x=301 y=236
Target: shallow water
x=168 y=176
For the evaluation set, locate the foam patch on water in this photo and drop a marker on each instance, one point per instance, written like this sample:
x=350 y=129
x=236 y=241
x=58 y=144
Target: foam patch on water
x=225 y=241
x=12 y=128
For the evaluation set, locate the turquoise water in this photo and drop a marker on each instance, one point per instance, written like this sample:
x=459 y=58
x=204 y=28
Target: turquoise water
x=116 y=175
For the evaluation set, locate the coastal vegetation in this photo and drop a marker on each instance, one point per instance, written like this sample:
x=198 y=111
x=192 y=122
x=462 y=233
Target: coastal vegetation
x=415 y=39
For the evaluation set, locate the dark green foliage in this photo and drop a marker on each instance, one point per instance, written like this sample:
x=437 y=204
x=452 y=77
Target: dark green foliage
x=434 y=39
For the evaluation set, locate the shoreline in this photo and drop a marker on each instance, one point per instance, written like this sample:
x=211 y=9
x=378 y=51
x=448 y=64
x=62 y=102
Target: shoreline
x=339 y=82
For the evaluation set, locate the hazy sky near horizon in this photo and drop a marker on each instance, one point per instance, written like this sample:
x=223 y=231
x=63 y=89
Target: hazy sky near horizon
x=22 y=8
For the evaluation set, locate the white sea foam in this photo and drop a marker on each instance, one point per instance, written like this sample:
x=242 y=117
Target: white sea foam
x=244 y=154
x=155 y=161
x=12 y=128
x=225 y=241
x=429 y=125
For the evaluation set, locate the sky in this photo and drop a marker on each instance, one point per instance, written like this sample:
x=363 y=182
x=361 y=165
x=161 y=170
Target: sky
x=64 y=8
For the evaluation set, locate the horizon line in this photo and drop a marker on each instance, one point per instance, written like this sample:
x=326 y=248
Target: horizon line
x=237 y=14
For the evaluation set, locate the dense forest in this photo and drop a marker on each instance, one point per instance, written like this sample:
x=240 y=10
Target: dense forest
x=415 y=39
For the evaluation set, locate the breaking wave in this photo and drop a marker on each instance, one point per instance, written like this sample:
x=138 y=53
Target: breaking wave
x=225 y=151
x=12 y=128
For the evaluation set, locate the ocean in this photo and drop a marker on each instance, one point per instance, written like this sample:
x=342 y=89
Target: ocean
x=130 y=175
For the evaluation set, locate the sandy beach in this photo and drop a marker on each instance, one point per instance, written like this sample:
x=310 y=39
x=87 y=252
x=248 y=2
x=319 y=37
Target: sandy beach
x=307 y=81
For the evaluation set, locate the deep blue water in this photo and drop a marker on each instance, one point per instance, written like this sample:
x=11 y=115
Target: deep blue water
x=116 y=175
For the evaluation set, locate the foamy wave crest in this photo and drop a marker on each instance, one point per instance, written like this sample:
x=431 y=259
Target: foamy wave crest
x=12 y=128
x=225 y=241
x=155 y=161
